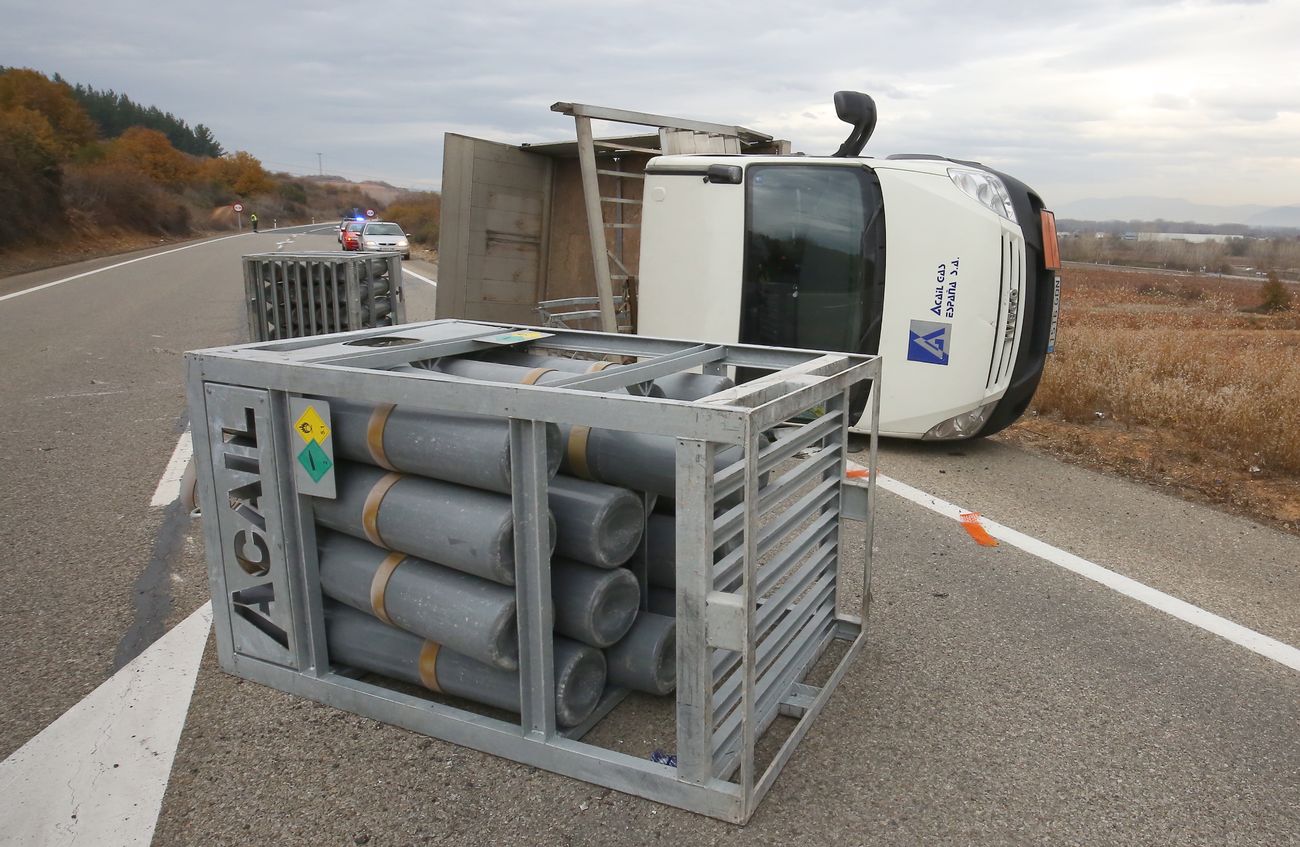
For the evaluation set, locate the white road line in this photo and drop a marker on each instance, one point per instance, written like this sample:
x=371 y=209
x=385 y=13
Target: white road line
x=169 y=487
x=420 y=277
x=118 y=265
x=1269 y=648
x=99 y=772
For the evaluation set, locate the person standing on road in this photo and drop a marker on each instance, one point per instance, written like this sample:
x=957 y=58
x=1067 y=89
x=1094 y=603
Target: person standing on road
x=252 y=219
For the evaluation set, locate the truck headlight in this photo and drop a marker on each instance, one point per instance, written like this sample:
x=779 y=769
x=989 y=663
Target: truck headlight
x=986 y=189
x=964 y=425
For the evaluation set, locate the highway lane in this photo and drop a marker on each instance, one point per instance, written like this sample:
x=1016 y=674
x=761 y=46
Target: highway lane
x=1003 y=700
x=93 y=402
x=1225 y=564
x=91 y=405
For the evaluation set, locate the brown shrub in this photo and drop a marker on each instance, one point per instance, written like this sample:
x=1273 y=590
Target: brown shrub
x=113 y=196
x=151 y=154
x=239 y=172
x=28 y=89
x=1274 y=296
x=1202 y=369
x=419 y=213
x=29 y=174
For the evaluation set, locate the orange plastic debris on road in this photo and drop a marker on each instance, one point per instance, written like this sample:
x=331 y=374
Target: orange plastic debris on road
x=971 y=521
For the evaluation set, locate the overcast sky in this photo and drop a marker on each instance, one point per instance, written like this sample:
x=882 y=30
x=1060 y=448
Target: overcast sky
x=1195 y=100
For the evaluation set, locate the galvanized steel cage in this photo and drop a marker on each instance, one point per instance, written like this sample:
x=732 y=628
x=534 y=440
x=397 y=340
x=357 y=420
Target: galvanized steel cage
x=292 y=295
x=753 y=617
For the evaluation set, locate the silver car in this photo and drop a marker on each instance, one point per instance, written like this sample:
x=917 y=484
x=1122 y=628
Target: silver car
x=383 y=235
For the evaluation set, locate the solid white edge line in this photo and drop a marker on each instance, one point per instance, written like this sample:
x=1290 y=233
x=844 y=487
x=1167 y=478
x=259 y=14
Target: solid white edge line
x=128 y=262
x=1256 y=642
x=420 y=277
x=169 y=487
x=118 y=265
x=98 y=773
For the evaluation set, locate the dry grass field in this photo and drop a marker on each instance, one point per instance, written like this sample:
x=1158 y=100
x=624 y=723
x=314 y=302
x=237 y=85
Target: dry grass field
x=1171 y=379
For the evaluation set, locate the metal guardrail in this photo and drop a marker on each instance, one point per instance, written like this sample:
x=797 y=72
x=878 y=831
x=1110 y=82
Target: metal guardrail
x=760 y=509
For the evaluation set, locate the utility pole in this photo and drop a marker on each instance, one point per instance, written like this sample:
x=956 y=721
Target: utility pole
x=320 y=164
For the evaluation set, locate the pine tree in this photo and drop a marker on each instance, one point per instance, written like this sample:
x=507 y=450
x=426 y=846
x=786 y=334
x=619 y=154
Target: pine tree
x=116 y=113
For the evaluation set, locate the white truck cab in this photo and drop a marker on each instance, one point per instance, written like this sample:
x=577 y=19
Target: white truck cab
x=937 y=265
x=946 y=268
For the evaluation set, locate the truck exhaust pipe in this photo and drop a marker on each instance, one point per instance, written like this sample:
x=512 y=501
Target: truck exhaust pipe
x=859 y=110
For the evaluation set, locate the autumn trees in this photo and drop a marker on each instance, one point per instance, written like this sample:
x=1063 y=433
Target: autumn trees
x=61 y=168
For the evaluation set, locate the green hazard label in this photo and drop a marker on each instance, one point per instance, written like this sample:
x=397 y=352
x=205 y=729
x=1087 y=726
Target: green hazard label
x=314 y=459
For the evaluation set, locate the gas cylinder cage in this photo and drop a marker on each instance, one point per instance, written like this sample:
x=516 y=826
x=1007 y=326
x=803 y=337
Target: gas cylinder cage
x=762 y=545
x=292 y=295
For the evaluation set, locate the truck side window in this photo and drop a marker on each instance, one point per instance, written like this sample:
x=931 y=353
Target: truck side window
x=814 y=261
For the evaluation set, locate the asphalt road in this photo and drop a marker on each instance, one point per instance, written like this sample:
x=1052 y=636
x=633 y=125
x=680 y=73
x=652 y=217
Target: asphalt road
x=1002 y=700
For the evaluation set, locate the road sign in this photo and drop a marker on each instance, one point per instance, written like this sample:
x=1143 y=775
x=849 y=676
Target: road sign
x=370 y=213
x=239 y=207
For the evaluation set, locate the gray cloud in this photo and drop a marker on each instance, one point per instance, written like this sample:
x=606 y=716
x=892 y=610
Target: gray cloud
x=1114 y=97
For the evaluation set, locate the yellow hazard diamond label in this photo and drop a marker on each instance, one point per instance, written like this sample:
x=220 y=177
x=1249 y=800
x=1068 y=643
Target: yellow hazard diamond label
x=310 y=427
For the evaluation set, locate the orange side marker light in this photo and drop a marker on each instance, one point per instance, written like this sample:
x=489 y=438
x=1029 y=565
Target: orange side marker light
x=857 y=473
x=1051 y=246
x=971 y=522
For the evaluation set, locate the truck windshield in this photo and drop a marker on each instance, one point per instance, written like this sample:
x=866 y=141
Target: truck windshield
x=814 y=258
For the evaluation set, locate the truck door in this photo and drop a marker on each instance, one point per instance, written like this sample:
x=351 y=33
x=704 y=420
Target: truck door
x=490 y=249
x=814 y=267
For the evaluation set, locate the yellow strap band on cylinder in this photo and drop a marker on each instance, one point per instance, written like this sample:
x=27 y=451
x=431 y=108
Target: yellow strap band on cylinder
x=379 y=585
x=429 y=666
x=577 y=451
x=370 y=509
x=535 y=374
x=375 y=435
x=598 y=366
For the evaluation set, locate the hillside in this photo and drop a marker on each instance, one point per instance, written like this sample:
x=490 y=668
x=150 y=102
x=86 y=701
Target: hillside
x=382 y=192
x=90 y=171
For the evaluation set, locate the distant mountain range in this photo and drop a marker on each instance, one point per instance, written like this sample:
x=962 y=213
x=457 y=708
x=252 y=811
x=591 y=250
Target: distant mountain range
x=1171 y=209
x=382 y=192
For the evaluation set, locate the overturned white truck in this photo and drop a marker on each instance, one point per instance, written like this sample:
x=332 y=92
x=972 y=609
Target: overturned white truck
x=946 y=268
